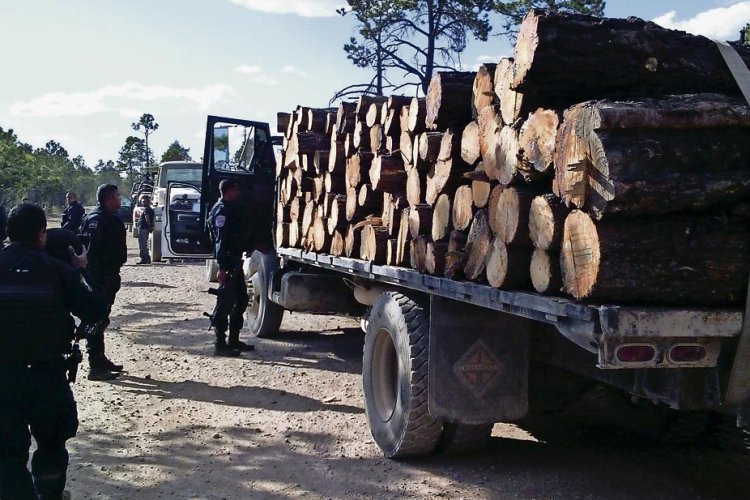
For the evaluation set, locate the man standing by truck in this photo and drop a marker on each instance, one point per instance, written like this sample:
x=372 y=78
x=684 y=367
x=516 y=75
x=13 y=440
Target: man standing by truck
x=73 y=214
x=104 y=235
x=232 y=299
x=145 y=227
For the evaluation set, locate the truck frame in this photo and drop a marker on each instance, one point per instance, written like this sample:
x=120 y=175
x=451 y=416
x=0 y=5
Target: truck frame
x=444 y=360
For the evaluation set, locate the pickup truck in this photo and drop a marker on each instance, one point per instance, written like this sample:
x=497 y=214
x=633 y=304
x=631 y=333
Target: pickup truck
x=444 y=360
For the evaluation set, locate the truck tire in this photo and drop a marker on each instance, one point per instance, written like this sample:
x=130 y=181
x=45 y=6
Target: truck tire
x=394 y=377
x=155 y=241
x=464 y=438
x=212 y=269
x=262 y=317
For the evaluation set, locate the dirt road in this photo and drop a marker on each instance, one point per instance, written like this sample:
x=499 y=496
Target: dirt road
x=288 y=421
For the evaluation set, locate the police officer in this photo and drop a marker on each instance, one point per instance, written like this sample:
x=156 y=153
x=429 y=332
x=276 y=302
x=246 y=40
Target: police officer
x=104 y=234
x=227 y=233
x=73 y=214
x=37 y=295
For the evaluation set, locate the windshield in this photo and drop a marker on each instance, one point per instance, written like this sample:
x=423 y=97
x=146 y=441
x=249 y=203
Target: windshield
x=189 y=175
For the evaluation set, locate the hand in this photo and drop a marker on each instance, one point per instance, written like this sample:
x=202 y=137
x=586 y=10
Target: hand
x=78 y=261
x=222 y=276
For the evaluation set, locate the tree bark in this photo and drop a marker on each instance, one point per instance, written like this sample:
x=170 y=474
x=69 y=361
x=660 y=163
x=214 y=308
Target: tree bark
x=678 y=259
x=653 y=156
x=477 y=245
x=448 y=100
x=352 y=241
x=282 y=122
x=374 y=244
x=387 y=174
x=358 y=168
x=345 y=117
x=435 y=257
x=416 y=117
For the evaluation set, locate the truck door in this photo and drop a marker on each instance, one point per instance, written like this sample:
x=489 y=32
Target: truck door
x=183 y=231
x=241 y=150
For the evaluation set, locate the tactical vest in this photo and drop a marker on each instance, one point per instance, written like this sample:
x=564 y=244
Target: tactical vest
x=35 y=325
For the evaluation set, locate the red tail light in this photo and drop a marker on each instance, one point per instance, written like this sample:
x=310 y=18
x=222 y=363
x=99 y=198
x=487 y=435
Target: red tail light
x=636 y=353
x=688 y=353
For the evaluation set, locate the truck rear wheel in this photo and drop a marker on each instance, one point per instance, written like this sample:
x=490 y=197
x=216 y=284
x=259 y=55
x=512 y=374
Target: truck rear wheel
x=263 y=317
x=394 y=375
x=464 y=438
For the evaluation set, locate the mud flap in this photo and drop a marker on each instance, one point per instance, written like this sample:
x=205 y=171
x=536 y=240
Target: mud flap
x=478 y=363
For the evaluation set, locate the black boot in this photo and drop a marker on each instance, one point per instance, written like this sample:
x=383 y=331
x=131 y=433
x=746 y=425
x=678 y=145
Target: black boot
x=236 y=343
x=222 y=349
x=109 y=365
x=98 y=369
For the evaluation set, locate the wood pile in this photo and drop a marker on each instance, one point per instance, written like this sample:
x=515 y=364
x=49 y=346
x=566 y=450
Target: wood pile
x=618 y=175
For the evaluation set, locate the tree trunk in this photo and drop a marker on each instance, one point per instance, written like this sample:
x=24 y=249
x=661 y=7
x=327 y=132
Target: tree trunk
x=537 y=140
x=462 y=208
x=448 y=100
x=559 y=60
x=507 y=267
x=483 y=91
x=677 y=259
x=435 y=257
x=545 y=272
x=441 y=217
x=546 y=219
x=420 y=220
x=477 y=245
x=345 y=117
x=654 y=156
x=387 y=174
x=358 y=168
x=374 y=244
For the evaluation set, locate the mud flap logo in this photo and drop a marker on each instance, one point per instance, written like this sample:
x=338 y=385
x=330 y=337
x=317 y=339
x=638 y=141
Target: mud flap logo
x=478 y=369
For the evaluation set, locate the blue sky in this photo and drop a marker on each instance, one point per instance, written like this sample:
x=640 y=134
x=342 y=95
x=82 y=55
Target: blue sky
x=81 y=71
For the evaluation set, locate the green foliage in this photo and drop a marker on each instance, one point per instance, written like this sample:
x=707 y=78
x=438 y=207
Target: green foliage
x=45 y=174
x=176 y=152
x=149 y=126
x=418 y=37
x=131 y=156
x=515 y=11
x=746 y=35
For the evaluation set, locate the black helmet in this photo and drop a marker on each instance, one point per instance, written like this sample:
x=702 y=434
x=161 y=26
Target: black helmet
x=58 y=241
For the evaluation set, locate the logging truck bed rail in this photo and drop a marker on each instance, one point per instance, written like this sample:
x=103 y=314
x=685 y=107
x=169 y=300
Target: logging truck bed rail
x=593 y=327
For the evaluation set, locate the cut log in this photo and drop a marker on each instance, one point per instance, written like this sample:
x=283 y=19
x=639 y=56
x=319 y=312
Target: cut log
x=434 y=261
x=508 y=267
x=372 y=117
x=558 y=57
x=335 y=183
x=415 y=181
x=545 y=272
x=480 y=188
x=387 y=174
x=489 y=122
x=321 y=238
x=337 y=215
x=349 y=148
x=441 y=217
x=345 y=117
x=477 y=245
x=462 y=208
x=512 y=215
x=429 y=146
x=336 y=157
x=358 y=168
x=484 y=88
x=338 y=245
x=374 y=244
x=455 y=258
x=511 y=99
x=369 y=201
x=320 y=162
x=416 y=117
x=546 y=220
x=352 y=241
x=404 y=236
x=493 y=204
x=286 y=234
x=282 y=122
x=501 y=162
x=470 y=143
x=392 y=253
x=406 y=146
x=361 y=136
x=364 y=102
x=420 y=220
x=448 y=100
x=377 y=140
x=537 y=140
x=316 y=120
x=353 y=210
x=653 y=156
x=445 y=175
x=308 y=217
x=676 y=259
x=330 y=122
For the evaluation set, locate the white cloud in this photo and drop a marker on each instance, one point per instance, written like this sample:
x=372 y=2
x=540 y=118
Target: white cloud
x=293 y=70
x=484 y=58
x=245 y=69
x=264 y=79
x=110 y=99
x=723 y=23
x=304 y=8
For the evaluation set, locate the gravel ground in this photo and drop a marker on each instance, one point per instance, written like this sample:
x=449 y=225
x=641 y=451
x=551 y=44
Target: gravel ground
x=288 y=421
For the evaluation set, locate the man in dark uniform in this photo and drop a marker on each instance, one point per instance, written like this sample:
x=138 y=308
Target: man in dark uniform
x=231 y=301
x=37 y=295
x=104 y=234
x=73 y=214
x=145 y=227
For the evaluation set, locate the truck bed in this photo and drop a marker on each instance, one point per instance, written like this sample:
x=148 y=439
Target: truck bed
x=589 y=326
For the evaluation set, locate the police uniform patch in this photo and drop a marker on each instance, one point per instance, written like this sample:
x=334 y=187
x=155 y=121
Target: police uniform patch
x=93 y=224
x=86 y=283
x=220 y=220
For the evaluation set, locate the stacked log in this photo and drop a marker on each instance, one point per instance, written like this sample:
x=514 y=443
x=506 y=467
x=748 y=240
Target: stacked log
x=540 y=172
